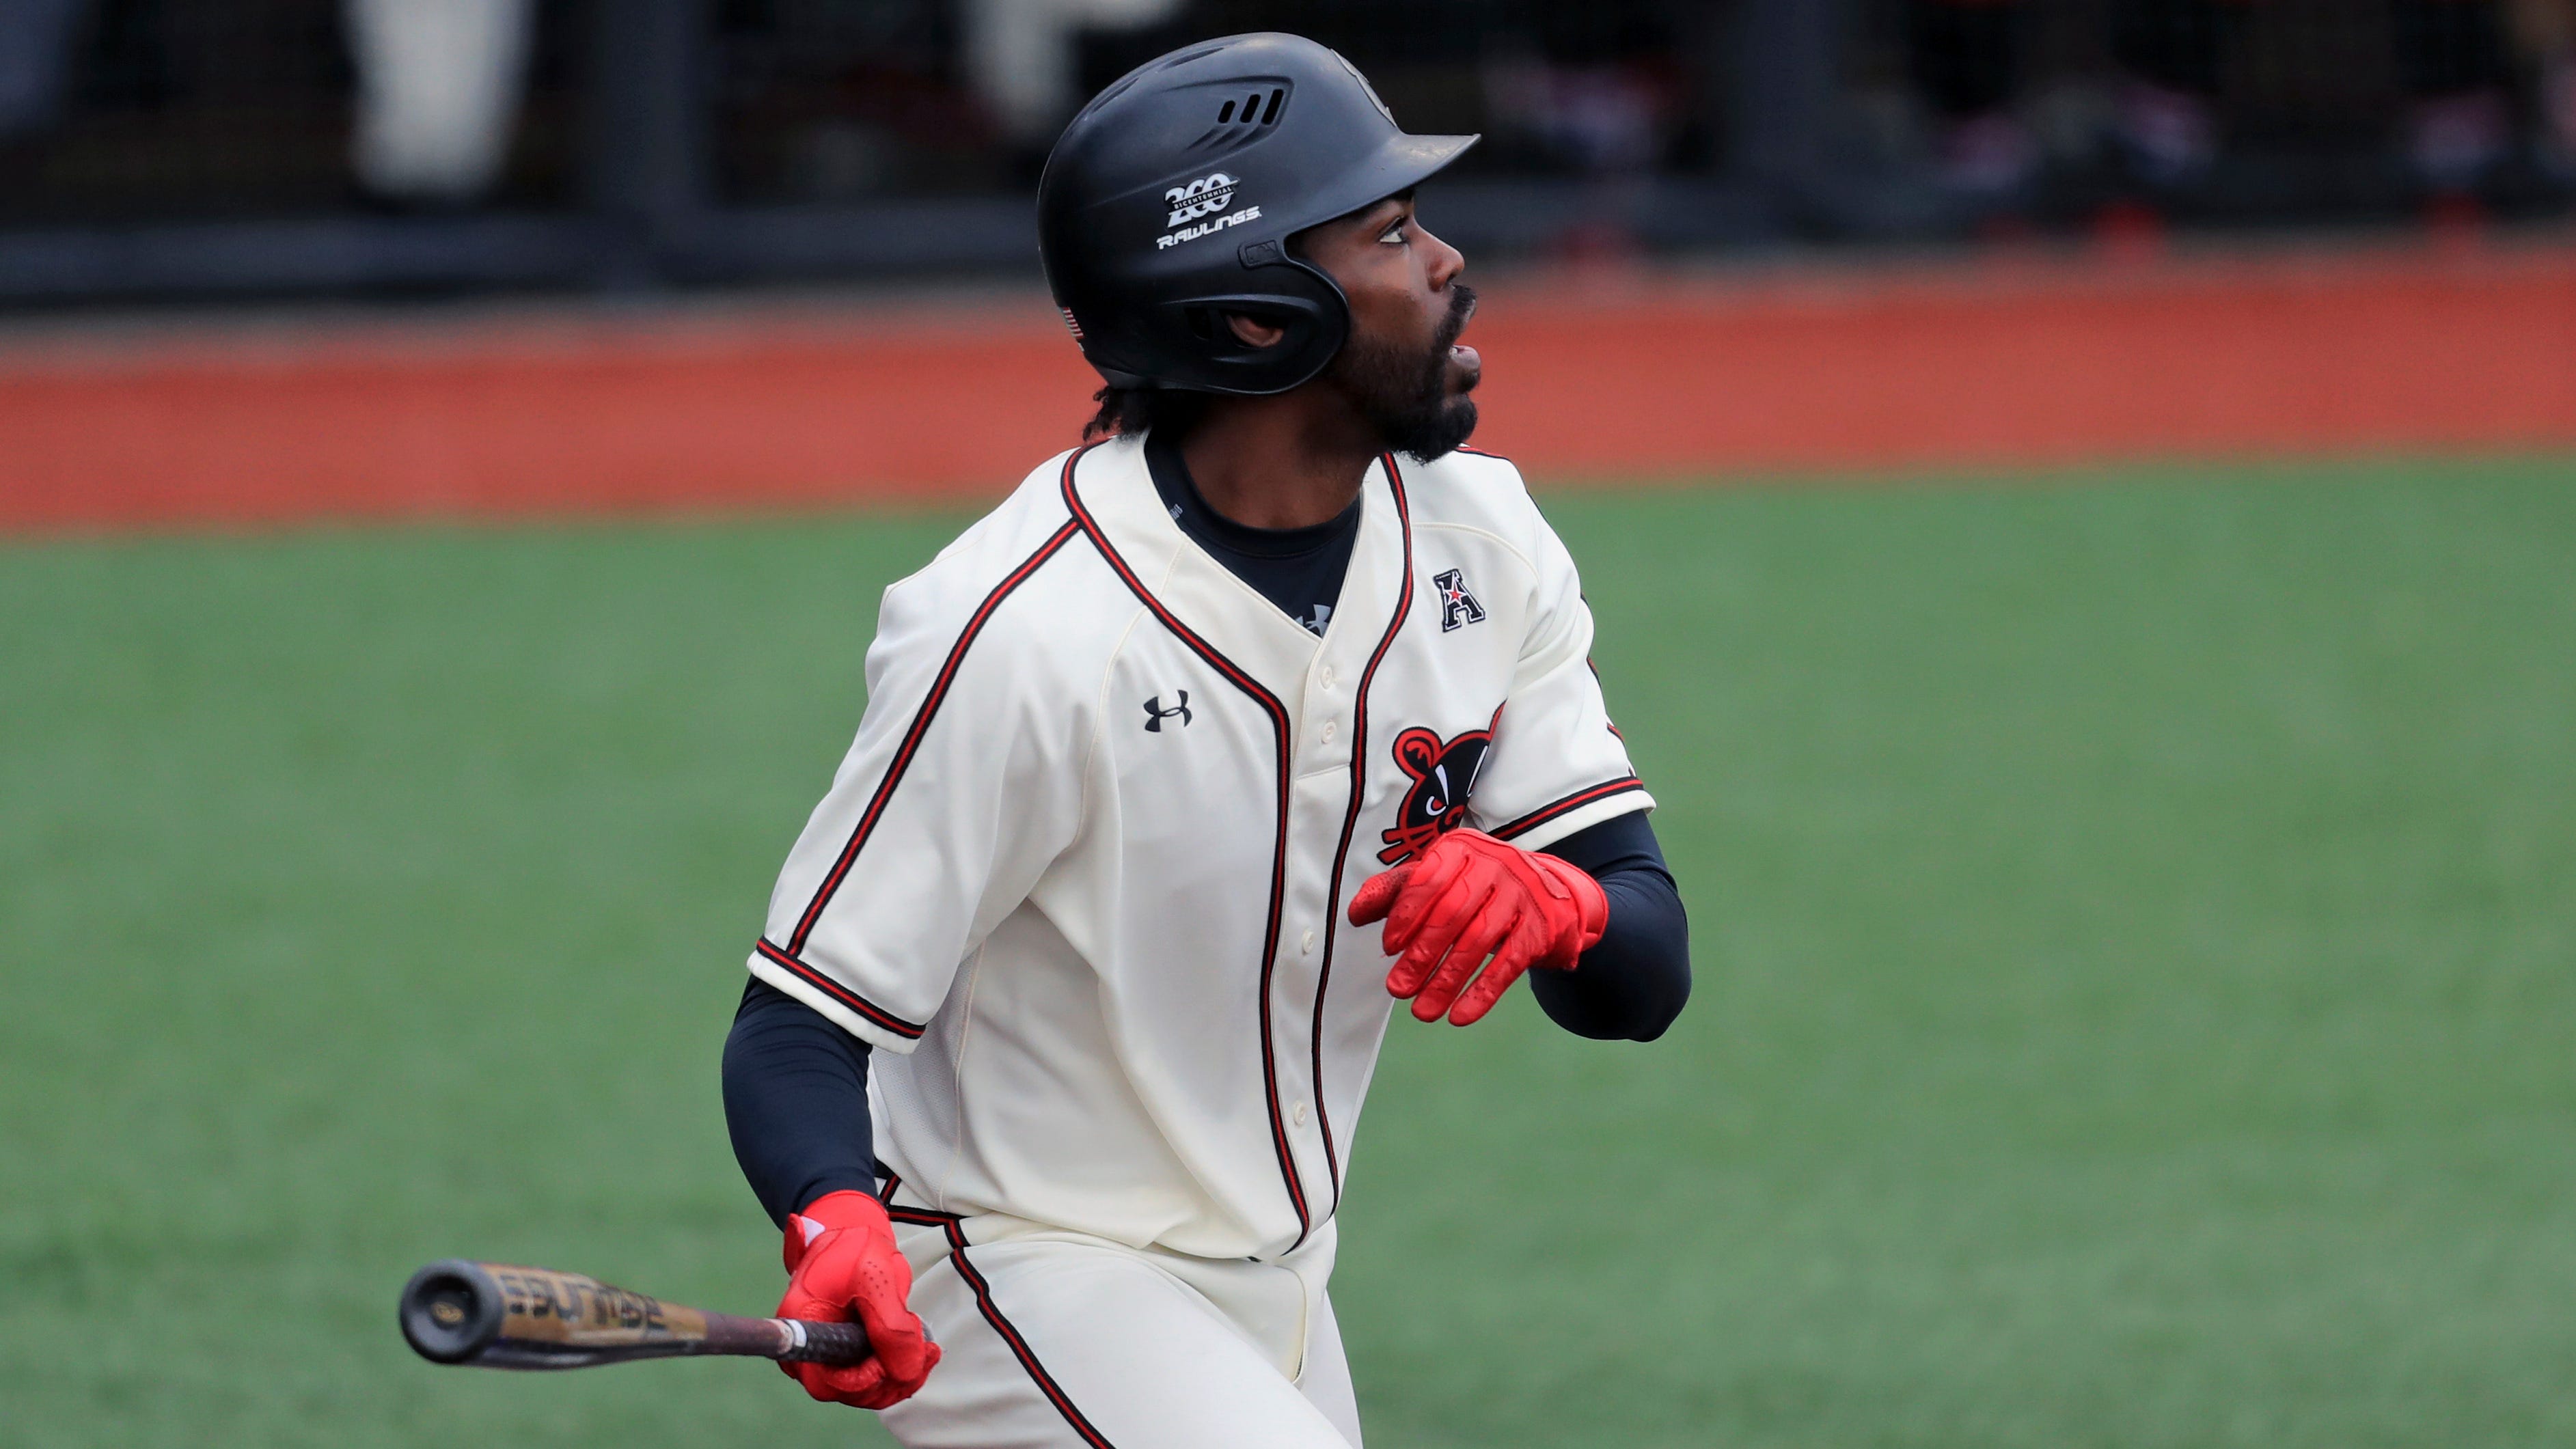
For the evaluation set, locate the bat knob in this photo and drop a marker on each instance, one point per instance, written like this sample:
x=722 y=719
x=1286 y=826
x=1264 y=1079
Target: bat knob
x=451 y=1311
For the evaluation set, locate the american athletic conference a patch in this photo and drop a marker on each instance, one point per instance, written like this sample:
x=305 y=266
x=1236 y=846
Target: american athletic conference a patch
x=1457 y=606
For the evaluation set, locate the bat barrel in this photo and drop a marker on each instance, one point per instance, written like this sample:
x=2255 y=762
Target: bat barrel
x=497 y=1315
x=451 y=1311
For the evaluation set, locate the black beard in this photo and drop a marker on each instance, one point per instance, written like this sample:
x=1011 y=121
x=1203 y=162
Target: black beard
x=1405 y=395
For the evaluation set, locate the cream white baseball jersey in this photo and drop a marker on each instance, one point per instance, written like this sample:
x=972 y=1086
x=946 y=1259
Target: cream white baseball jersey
x=1081 y=878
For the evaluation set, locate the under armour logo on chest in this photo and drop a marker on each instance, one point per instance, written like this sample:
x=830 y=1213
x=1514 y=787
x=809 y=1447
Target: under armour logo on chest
x=1457 y=606
x=1155 y=714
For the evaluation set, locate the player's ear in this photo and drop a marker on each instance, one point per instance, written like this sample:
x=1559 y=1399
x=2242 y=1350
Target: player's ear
x=1253 y=332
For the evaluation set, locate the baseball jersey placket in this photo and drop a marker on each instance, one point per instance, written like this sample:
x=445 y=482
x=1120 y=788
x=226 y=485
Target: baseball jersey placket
x=1332 y=790
x=1378 y=588
x=1312 y=684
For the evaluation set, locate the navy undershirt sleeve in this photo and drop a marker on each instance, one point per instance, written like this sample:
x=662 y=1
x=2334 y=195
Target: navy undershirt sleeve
x=796 y=1102
x=1633 y=982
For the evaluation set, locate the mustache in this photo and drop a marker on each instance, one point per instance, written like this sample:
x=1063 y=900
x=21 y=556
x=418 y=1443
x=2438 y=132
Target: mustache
x=1462 y=305
x=1435 y=372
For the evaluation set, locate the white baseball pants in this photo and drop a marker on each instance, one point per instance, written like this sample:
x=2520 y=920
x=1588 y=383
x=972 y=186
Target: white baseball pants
x=1056 y=1339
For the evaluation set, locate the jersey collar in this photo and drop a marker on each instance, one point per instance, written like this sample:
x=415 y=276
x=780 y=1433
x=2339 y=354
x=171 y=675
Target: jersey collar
x=1116 y=492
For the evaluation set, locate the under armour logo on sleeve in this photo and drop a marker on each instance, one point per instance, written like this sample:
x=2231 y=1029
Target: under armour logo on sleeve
x=1155 y=714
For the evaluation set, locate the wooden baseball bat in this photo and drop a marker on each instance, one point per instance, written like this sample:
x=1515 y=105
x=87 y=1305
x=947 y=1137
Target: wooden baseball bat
x=494 y=1315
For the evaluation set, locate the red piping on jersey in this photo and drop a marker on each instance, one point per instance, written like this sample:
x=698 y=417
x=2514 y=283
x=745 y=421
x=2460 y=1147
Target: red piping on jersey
x=1575 y=801
x=1019 y=1346
x=1278 y=713
x=1350 y=823
x=921 y=726
x=909 y=1031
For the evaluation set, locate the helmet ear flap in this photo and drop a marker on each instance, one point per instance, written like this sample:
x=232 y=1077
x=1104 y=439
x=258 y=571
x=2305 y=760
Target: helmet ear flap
x=1292 y=296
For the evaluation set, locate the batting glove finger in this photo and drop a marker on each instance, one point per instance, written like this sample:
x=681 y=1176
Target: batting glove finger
x=1495 y=918
x=1508 y=965
x=1376 y=895
x=900 y=1342
x=855 y=1385
x=1445 y=918
x=1433 y=877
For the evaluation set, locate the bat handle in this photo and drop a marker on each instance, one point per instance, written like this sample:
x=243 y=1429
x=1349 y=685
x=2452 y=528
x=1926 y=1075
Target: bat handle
x=790 y=1340
x=836 y=1344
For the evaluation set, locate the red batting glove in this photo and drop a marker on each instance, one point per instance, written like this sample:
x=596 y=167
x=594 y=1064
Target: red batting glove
x=1470 y=896
x=843 y=1265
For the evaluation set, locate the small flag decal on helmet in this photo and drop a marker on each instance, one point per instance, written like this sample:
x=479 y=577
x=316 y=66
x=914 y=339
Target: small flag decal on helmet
x=1070 y=324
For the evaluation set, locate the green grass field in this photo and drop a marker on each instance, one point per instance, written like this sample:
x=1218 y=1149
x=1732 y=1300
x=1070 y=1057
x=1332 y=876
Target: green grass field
x=2133 y=913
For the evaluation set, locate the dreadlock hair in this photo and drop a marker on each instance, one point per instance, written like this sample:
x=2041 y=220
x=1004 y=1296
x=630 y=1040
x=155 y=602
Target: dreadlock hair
x=1131 y=410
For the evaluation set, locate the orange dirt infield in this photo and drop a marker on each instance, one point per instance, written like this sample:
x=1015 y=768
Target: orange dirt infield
x=1969 y=365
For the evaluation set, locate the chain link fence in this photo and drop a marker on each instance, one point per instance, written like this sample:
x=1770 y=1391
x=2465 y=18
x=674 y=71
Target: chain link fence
x=158 y=146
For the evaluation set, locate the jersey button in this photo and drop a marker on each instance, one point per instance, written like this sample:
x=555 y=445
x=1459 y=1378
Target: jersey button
x=1300 y=1114
x=1329 y=732
x=1328 y=676
x=1307 y=944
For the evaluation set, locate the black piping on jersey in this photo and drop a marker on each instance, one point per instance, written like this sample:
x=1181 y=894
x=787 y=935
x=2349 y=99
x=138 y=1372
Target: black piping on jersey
x=1019 y=1346
x=1575 y=801
x=913 y=1217
x=1278 y=713
x=823 y=982
x=954 y=1227
x=918 y=1217
x=909 y=1216
x=1596 y=680
x=920 y=726
x=1350 y=823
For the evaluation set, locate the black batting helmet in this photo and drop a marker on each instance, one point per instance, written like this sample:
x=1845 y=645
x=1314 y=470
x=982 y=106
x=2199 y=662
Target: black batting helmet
x=1169 y=201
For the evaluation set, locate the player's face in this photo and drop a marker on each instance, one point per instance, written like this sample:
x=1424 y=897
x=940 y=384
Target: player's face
x=1403 y=367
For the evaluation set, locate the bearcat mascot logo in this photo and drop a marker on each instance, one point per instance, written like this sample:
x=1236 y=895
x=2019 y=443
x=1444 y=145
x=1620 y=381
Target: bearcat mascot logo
x=1444 y=775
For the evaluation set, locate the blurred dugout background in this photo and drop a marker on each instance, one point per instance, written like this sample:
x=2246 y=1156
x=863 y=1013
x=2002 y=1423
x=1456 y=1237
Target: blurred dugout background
x=271 y=147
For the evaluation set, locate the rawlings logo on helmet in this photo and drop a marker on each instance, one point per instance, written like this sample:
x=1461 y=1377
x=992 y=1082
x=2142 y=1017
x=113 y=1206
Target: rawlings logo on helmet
x=1444 y=773
x=1210 y=193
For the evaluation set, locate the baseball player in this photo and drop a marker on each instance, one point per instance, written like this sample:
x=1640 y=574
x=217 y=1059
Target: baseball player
x=1264 y=709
